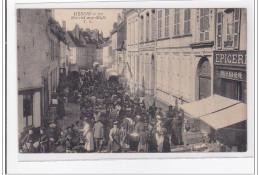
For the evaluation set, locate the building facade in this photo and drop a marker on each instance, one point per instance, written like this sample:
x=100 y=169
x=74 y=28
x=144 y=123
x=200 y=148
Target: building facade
x=132 y=43
x=178 y=56
x=41 y=50
x=147 y=46
x=77 y=46
x=230 y=54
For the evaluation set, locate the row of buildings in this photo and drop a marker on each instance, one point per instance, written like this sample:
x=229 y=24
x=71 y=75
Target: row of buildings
x=181 y=55
x=46 y=52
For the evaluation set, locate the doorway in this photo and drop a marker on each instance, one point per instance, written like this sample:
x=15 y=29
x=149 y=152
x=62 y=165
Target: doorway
x=204 y=77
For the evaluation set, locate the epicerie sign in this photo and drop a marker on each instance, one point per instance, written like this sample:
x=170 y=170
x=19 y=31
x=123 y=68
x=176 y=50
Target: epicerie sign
x=230 y=57
x=236 y=75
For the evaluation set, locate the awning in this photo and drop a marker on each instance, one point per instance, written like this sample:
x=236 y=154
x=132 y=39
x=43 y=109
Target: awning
x=226 y=117
x=95 y=64
x=207 y=105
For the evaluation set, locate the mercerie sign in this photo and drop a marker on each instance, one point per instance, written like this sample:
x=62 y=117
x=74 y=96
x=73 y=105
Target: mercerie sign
x=232 y=58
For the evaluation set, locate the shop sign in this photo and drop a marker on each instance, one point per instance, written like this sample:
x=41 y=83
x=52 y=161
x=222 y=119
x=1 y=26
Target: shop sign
x=233 y=58
x=235 y=75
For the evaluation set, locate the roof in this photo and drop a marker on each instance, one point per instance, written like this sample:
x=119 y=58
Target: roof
x=226 y=117
x=207 y=106
x=77 y=42
x=57 y=30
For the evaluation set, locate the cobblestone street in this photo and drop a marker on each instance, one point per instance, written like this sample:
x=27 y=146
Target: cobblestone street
x=72 y=113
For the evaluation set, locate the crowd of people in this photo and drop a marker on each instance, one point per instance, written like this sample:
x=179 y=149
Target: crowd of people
x=111 y=120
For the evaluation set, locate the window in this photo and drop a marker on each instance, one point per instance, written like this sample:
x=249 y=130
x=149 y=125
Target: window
x=133 y=32
x=219 y=29
x=204 y=24
x=67 y=60
x=232 y=29
x=186 y=21
x=166 y=22
x=153 y=24
x=142 y=29
x=159 y=23
x=177 y=22
x=52 y=50
x=147 y=26
x=18 y=15
x=28 y=108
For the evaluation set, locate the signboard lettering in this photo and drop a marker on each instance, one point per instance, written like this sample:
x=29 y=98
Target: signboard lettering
x=235 y=75
x=230 y=57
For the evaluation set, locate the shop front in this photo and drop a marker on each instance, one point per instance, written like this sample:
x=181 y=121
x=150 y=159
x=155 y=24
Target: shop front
x=230 y=74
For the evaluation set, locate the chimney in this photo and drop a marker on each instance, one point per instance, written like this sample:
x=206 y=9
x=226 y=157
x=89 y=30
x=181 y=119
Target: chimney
x=49 y=13
x=76 y=31
x=114 y=25
x=64 y=25
x=119 y=18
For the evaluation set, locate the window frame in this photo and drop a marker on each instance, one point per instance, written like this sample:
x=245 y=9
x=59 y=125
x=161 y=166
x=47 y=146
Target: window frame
x=176 y=26
x=233 y=34
x=142 y=29
x=187 y=20
x=147 y=26
x=202 y=19
x=219 y=23
x=28 y=96
x=167 y=22
x=159 y=20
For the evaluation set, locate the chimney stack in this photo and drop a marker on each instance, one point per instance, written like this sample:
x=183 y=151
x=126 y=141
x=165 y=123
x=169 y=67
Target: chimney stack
x=77 y=31
x=64 y=25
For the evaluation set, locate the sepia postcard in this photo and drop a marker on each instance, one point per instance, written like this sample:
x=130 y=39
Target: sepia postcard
x=132 y=80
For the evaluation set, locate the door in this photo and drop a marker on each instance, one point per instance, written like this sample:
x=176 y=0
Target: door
x=231 y=89
x=62 y=74
x=204 y=79
x=46 y=96
x=204 y=83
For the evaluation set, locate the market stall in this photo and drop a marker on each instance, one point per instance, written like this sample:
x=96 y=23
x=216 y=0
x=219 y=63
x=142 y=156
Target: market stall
x=196 y=131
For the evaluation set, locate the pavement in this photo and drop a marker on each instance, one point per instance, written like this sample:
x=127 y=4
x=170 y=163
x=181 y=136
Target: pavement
x=72 y=114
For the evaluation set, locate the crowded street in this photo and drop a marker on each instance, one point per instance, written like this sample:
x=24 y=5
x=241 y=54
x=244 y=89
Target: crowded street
x=96 y=114
x=130 y=85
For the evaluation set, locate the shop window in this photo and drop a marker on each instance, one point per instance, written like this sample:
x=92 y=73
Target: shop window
x=186 y=21
x=28 y=108
x=166 y=22
x=204 y=25
x=231 y=89
x=159 y=23
x=233 y=17
x=177 y=22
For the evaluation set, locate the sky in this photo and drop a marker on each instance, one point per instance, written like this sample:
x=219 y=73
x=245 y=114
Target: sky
x=101 y=19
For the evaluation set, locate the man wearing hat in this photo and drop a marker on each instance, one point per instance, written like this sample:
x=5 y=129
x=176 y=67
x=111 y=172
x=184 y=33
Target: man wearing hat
x=170 y=112
x=43 y=141
x=114 y=139
x=159 y=134
x=139 y=125
x=98 y=133
x=159 y=112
